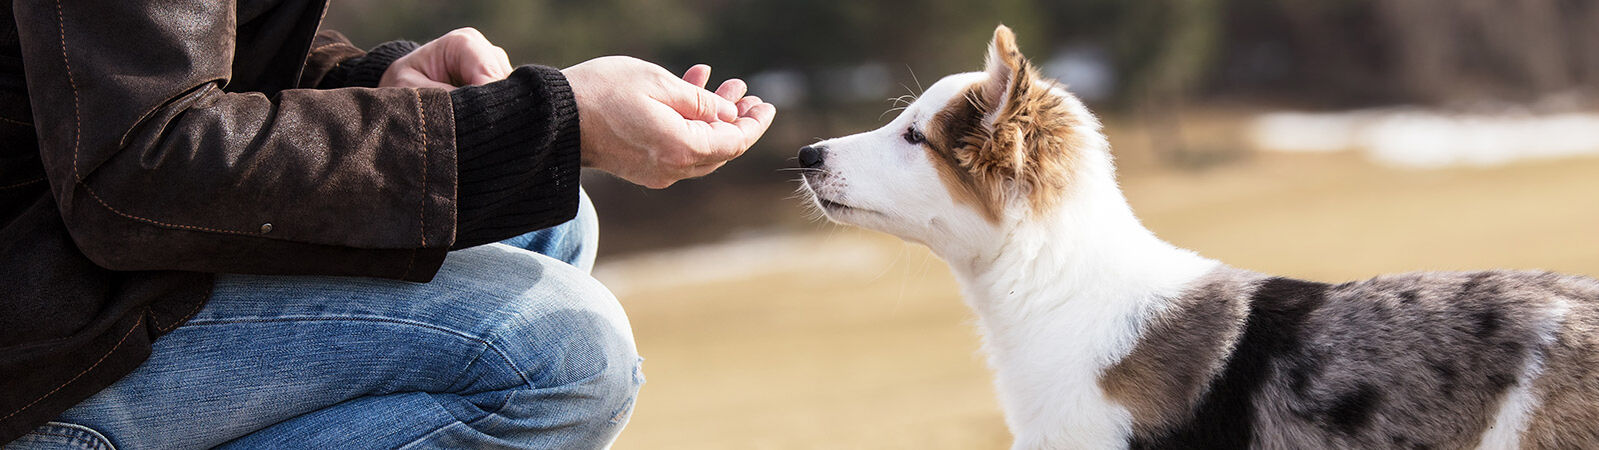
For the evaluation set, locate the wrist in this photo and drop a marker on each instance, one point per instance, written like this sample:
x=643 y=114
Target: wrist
x=532 y=97
x=366 y=70
x=516 y=152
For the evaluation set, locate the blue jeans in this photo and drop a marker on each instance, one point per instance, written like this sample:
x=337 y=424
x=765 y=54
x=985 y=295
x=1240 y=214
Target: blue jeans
x=513 y=345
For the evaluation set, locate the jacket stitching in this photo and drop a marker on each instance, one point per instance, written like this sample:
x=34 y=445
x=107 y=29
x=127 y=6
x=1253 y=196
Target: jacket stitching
x=77 y=133
x=320 y=47
x=421 y=210
x=157 y=222
x=77 y=139
x=15 y=121
x=186 y=318
x=80 y=374
x=25 y=183
x=455 y=183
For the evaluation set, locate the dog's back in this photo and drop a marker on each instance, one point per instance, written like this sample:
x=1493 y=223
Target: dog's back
x=1425 y=360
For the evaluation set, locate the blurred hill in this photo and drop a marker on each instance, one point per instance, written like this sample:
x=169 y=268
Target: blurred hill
x=831 y=66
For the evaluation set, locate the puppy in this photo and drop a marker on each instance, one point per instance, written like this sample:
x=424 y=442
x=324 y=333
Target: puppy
x=1103 y=336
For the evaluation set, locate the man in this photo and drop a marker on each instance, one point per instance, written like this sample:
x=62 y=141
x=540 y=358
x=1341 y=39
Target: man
x=154 y=153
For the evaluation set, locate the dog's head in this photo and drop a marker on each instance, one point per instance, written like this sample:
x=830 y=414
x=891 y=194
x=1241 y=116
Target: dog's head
x=977 y=153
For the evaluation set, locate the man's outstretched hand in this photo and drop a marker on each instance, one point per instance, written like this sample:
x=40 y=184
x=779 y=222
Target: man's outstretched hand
x=638 y=121
x=651 y=128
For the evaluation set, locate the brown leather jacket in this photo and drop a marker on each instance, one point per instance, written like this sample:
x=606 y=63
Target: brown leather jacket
x=177 y=142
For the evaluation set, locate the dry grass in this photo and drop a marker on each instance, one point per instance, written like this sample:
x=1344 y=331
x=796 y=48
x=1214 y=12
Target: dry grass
x=854 y=340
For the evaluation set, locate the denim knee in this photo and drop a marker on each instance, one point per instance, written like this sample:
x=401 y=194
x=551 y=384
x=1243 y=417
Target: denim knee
x=572 y=345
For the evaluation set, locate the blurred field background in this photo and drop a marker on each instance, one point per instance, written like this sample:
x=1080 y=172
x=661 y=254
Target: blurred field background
x=1327 y=139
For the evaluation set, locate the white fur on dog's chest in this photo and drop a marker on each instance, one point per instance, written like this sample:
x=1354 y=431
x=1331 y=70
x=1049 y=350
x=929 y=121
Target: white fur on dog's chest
x=1055 y=316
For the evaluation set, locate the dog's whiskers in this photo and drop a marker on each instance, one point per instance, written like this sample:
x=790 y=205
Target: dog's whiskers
x=919 y=88
x=898 y=108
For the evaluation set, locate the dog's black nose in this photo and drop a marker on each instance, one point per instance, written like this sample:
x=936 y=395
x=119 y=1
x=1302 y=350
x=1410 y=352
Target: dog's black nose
x=810 y=156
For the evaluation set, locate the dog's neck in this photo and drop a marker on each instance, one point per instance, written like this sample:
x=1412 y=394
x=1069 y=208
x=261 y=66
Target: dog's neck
x=1062 y=298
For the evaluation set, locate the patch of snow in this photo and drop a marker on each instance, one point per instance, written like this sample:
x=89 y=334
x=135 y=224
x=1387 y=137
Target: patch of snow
x=1416 y=138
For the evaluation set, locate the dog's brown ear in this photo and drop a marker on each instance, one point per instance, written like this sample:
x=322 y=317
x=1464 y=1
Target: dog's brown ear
x=1005 y=67
x=1030 y=137
x=1003 y=99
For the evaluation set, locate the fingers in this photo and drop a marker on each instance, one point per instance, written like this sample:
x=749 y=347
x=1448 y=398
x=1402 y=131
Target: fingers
x=698 y=75
x=732 y=89
x=728 y=140
x=695 y=103
x=471 y=59
x=724 y=140
x=716 y=143
x=754 y=124
x=744 y=104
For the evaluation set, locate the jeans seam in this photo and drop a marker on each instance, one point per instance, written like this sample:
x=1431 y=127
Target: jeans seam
x=488 y=343
x=509 y=398
x=489 y=340
x=468 y=365
x=78 y=436
x=207 y=322
x=425 y=437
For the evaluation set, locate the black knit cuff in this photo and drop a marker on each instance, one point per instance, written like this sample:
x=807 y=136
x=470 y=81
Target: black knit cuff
x=367 y=70
x=517 y=156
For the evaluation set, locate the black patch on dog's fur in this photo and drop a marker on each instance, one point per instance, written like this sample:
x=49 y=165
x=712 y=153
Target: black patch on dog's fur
x=1404 y=442
x=1500 y=381
x=1487 y=323
x=1225 y=418
x=1408 y=297
x=1300 y=374
x=1447 y=377
x=1352 y=411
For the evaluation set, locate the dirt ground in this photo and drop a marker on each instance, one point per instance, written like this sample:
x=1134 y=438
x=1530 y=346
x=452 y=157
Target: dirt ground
x=845 y=339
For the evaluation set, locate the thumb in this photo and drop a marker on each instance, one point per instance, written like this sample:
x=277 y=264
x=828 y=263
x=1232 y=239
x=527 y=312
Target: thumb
x=694 y=103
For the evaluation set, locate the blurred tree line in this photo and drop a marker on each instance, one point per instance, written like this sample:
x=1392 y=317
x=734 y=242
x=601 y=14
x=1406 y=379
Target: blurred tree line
x=833 y=64
x=1338 y=51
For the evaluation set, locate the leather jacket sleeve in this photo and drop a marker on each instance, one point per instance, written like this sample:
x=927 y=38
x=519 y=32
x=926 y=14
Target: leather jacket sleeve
x=158 y=164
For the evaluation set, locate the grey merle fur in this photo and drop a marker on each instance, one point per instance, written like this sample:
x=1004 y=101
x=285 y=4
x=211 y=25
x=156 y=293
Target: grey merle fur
x=1418 y=360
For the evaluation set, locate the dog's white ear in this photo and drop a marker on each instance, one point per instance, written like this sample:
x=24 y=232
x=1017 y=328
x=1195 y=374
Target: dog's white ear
x=1006 y=70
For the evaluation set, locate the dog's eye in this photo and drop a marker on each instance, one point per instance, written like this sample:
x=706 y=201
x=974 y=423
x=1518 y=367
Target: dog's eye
x=914 y=137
